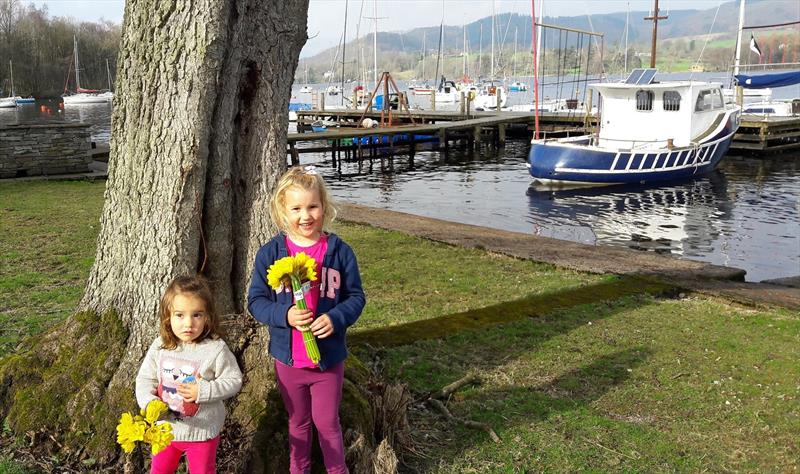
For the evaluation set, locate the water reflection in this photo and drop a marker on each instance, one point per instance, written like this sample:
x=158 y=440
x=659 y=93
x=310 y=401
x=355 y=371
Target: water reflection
x=97 y=116
x=669 y=220
x=744 y=215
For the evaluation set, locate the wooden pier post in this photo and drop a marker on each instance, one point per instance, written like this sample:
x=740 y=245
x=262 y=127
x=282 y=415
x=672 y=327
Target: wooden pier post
x=497 y=96
x=463 y=104
x=443 y=139
x=294 y=154
x=501 y=134
x=476 y=137
x=433 y=101
x=322 y=101
x=586 y=118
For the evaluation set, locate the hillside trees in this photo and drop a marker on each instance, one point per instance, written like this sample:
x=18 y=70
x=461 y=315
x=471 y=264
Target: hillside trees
x=40 y=49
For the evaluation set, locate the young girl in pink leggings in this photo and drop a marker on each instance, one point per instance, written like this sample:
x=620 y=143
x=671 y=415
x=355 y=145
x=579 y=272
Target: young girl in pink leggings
x=303 y=210
x=190 y=368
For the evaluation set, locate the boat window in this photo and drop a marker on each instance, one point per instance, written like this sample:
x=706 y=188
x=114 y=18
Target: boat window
x=703 y=101
x=644 y=100
x=716 y=100
x=672 y=100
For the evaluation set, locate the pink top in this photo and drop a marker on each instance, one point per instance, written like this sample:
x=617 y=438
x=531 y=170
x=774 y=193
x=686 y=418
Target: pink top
x=317 y=252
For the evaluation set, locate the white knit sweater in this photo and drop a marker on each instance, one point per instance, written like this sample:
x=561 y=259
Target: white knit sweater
x=219 y=379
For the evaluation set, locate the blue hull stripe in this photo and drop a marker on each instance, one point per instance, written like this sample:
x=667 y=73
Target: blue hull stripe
x=579 y=163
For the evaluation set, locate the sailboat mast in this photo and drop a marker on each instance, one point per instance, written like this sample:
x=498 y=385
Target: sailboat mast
x=11 y=70
x=480 y=51
x=534 y=40
x=439 y=53
x=344 y=45
x=108 y=73
x=464 y=73
x=627 y=22
x=655 y=19
x=514 y=73
x=375 y=44
x=77 y=68
x=424 y=52
x=739 y=39
x=492 y=58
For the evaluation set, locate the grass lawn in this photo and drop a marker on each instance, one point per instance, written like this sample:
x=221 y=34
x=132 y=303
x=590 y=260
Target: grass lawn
x=579 y=372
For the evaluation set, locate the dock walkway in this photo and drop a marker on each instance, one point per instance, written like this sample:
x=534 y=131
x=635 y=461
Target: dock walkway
x=756 y=133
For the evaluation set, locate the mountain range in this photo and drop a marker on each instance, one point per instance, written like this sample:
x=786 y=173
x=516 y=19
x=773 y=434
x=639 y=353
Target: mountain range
x=686 y=24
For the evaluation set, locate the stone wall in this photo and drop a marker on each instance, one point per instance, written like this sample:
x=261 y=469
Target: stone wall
x=34 y=149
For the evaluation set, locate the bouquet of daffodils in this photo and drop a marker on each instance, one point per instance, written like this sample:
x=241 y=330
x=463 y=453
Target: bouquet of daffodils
x=145 y=427
x=293 y=271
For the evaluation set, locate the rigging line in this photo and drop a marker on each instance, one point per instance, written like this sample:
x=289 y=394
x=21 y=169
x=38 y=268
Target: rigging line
x=771 y=26
x=586 y=74
x=562 y=61
x=708 y=36
x=591 y=28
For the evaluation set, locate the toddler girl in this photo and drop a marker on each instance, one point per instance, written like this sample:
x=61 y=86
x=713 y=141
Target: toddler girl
x=192 y=370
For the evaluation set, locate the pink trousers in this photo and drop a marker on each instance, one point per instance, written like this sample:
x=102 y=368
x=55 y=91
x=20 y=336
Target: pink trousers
x=200 y=455
x=311 y=395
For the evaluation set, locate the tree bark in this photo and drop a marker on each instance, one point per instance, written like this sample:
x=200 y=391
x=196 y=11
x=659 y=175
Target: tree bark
x=198 y=141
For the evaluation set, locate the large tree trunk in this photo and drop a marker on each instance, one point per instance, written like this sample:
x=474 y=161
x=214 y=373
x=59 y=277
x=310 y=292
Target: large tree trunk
x=199 y=137
x=198 y=142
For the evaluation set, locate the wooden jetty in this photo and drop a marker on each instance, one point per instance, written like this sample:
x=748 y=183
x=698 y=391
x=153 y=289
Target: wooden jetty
x=758 y=133
x=445 y=127
x=474 y=129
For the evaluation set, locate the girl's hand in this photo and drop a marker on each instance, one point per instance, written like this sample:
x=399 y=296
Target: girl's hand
x=322 y=327
x=188 y=391
x=297 y=317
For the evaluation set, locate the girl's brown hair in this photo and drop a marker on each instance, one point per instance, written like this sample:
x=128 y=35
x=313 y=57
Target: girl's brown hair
x=192 y=285
x=307 y=179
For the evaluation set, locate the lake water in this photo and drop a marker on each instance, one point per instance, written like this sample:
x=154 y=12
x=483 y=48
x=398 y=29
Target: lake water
x=745 y=215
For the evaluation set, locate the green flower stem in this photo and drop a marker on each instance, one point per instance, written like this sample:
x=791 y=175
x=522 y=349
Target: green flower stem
x=308 y=338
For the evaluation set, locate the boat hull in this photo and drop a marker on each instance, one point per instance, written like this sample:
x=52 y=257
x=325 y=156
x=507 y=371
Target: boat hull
x=83 y=98
x=574 y=161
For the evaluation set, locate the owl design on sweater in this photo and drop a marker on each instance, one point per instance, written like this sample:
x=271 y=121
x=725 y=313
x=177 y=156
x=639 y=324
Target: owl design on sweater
x=173 y=371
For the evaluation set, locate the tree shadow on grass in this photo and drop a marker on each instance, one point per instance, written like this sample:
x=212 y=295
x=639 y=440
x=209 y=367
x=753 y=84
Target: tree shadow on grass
x=528 y=307
x=432 y=353
x=514 y=409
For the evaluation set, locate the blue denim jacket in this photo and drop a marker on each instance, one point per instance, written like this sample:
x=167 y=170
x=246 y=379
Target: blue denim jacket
x=343 y=299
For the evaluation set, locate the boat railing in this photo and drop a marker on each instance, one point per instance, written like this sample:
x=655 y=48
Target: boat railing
x=633 y=144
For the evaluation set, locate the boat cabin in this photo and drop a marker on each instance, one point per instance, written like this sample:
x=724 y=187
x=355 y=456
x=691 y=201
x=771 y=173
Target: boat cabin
x=657 y=115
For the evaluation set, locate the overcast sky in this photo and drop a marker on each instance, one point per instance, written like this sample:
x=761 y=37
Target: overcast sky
x=326 y=17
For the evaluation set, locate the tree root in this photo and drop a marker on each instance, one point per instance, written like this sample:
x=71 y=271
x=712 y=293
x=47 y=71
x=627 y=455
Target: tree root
x=434 y=401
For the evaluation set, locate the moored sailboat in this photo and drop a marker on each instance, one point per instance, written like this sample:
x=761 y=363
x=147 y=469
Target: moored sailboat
x=11 y=100
x=81 y=95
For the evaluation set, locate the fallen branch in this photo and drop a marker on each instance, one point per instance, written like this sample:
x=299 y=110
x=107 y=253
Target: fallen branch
x=468 y=423
x=450 y=389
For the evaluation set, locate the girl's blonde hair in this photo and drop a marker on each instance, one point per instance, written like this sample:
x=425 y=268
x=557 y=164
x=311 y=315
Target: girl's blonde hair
x=198 y=287
x=307 y=179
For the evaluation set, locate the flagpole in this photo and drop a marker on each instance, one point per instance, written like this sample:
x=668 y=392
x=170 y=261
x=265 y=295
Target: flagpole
x=739 y=39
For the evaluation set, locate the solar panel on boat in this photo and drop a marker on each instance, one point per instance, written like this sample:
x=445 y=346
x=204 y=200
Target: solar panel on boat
x=648 y=76
x=641 y=76
x=633 y=77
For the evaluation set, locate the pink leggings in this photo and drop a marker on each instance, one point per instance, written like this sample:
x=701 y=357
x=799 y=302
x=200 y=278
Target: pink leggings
x=311 y=394
x=201 y=456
